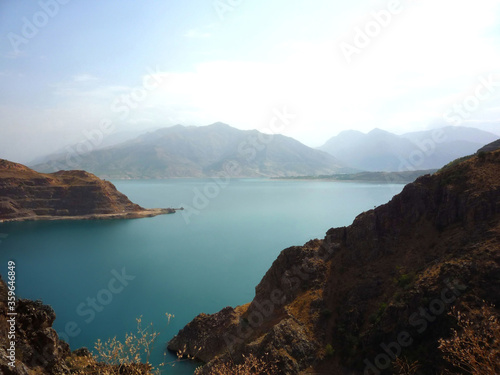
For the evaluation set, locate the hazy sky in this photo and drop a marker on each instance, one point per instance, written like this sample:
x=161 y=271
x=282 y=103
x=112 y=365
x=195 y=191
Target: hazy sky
x=68 y=65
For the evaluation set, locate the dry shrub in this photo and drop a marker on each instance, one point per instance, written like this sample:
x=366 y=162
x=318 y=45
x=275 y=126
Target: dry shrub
x=250 y=366
x=475 y=348
x=403 y=367
x=114 y=357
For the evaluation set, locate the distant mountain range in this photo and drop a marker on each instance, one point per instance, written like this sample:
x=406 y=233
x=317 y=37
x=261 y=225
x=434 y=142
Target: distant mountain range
x=205 y=151
x=380 y=150
x=107 y=140
x=219 y=149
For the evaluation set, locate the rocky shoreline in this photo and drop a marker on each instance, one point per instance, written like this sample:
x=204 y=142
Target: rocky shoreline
x=149 y=212
x=26 y=195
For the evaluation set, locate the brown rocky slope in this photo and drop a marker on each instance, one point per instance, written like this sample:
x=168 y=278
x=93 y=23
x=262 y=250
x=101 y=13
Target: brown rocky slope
x=28 y=195
x=38 y=349
x=381 y=287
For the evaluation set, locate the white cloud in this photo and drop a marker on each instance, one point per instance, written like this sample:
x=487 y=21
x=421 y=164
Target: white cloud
x=430 y=56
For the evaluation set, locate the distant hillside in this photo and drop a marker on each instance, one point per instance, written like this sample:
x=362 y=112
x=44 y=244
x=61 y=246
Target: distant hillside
x=206 y=151
x=384 y=177
x=29 y=195
x=98 y=140
x=380 y=150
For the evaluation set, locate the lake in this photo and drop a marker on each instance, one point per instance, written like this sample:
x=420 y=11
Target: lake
x=99 y=276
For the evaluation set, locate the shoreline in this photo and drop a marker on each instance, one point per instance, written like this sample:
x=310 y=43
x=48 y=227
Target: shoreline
x=149 y=212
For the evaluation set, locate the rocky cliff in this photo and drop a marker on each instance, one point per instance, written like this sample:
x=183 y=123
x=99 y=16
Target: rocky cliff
x=37 y=346
x=379 y=288
x=28 y=195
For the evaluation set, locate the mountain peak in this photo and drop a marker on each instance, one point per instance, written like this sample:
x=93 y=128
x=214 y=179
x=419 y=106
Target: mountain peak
x=219 y=124
x=350 y=133
x=378 y=131
x=203 y=151
x=11 y=169
x=380 y=150
x=6 y=164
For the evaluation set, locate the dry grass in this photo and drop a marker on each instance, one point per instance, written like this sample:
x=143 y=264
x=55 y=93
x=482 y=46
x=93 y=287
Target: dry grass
x=475 y=348
x=113 y=357
x=251 y=366
x=242 y=309
x=403 y=367
x=300 y=308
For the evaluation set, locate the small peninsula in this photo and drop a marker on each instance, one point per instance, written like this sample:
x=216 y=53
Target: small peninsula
x=65 y=195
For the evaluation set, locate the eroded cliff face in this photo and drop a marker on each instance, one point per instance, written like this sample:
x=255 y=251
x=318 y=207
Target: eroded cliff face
x=336 y=305
x=37 y=346
x=26 y=194
x=278 y=322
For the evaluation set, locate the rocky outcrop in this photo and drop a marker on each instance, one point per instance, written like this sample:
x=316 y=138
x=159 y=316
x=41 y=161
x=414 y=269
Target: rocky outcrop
x=29 y=195
x=37 y=346
x=334 y=305
x=272 y=325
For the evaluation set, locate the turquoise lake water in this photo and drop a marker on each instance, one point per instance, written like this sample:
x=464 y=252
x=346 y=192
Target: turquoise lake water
x=168 y=263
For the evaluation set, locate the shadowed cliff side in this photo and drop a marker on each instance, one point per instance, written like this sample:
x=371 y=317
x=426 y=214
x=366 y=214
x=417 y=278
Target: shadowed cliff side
x=70 y=195
x=377 y=289
x=37 y=346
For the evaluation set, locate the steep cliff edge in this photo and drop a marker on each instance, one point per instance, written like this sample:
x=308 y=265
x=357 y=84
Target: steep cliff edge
x=37 y=347
x=381 y=287
x=28 y=195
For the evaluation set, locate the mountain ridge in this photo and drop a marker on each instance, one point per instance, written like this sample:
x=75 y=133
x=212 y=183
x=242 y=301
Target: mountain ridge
x=382 y=151
x=189 y=151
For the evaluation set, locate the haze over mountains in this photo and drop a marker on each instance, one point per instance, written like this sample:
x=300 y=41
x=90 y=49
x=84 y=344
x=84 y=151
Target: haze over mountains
x=206 y=151
x=380 y=150
x=219 y=149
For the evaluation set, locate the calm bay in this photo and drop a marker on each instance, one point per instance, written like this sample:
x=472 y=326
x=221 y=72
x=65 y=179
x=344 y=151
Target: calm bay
x=99 y=276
